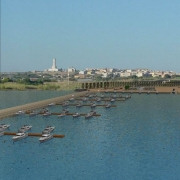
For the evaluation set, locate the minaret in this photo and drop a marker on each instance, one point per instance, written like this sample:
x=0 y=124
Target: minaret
x=54 y=64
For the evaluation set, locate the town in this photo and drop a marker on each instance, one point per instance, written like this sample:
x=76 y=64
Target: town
x=54 y=74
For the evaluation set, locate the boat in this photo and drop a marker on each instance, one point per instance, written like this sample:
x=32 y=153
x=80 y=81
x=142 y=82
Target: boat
x=19 y=113
x=46 y=114
x=19 y=136
x=76 y=115
x=93 y=105
x=98 y=99
x=65 y=104
x=88 y=115
x=102 y=96
x=65 y=111
x=1 y=133
x=4 y=126
x=24 y=128
x=107 y=105
x=32 y=113
x=79 y=105
x=71 y=99
x=62 y=115
x=85 y=99
x=48 y=130
x=45 y=137
x=112 y=100
x=51 y=104
x=93 y=112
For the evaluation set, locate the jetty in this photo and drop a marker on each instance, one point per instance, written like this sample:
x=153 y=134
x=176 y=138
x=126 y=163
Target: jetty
x=4 y=113
x=35 y=134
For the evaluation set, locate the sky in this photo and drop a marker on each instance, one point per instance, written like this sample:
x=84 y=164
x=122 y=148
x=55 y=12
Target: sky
x=125 y=34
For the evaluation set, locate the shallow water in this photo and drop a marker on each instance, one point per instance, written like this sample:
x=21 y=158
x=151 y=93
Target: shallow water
x=137 y=140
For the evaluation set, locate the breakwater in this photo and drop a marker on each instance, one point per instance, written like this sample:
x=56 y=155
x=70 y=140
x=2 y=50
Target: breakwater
x=36 y=105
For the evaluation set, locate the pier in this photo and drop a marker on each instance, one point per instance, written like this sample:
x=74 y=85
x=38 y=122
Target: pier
x=4 y=113
x=35 y=134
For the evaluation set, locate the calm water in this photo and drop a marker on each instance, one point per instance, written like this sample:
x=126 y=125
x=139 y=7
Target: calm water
x=14 y=98
x=137 y=140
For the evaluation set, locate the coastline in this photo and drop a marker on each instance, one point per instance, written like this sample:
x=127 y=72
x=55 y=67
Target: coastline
x=157 y=89
x=36 y=105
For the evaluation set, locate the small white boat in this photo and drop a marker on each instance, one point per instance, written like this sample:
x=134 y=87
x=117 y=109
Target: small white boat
x=65 y=104
x=107 y=105
x=88 y=115
x=46 y=114
x=51 y=104
x=48 y=130
x=65 y=111
x=93 y=113
x=79 y=105
x=85 y=99
x=24 y=128
x=93 y=105
x=62 y=115
x=1 y=133
x=112 y=100
x=98 y=99
x=19 y=136
x=76 y=115
x=19 y=113
x=4 y=126
x=71 y=99
x=45 y=137
x=31 y=114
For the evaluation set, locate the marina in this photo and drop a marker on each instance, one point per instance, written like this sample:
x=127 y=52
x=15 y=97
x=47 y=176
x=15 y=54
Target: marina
x=111 y=134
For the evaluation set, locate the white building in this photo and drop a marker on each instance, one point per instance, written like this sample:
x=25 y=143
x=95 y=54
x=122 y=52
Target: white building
x=54 y=67
x=71 y=70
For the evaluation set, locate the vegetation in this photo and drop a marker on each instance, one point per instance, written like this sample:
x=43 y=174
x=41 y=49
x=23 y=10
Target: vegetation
x=45 y=86
x=127 y=87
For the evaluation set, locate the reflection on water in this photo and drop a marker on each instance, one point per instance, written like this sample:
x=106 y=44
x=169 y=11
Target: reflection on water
x=137 y=140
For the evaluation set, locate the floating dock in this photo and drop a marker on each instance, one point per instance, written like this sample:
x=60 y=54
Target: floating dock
x=34 y=134
x=97 y=105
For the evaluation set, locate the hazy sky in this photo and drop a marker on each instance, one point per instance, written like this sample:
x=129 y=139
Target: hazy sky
x=90 y=33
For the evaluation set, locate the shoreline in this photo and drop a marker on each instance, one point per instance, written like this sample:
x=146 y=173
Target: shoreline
x=4 y=113
x=157 y=90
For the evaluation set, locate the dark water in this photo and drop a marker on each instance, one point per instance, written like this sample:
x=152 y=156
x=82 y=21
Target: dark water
x=137 y=140
x=14 y=98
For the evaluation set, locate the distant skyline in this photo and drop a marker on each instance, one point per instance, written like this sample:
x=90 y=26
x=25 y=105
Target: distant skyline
x=125 y=34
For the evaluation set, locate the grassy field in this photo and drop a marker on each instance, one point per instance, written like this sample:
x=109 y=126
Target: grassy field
x=47 y=86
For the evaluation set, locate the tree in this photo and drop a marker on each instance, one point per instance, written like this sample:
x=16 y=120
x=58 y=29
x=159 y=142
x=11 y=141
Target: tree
x=127 y=87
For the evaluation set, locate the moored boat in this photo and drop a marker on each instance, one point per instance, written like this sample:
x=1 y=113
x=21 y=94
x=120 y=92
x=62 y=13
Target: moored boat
x=46 y=114
x=45 y=137
x=107 y=105
x=4 y=126
x=1 y=133
x=76 y=115
x=24 y=128
x=19 y=113
x=19 y=136
x=48 y=129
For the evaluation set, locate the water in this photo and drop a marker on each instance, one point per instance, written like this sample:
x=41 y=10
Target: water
x=137 y=140
x=14 y=98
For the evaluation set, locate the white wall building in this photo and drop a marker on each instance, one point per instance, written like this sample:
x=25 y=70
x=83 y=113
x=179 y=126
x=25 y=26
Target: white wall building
x=54 y=67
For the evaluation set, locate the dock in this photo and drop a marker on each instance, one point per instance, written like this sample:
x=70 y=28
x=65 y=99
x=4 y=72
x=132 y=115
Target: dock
x=97 y=105
x=35 y=134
